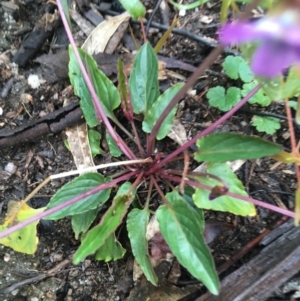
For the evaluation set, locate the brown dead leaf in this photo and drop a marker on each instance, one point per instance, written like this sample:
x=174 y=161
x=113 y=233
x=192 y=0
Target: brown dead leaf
x=177 y=132
x=116 y=38
x=79 y=146
x=97 y=41
x=158 y=247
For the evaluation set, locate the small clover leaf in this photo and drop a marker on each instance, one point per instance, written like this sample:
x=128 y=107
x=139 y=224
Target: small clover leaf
x=236 y=67
x=260 y=97
x=266 y=124
x=224 y=101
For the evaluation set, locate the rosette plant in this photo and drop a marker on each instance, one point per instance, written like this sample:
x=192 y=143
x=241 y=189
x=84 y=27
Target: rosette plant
x=120 y=195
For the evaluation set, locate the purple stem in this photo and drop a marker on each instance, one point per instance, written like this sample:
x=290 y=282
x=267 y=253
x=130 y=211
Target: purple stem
x=234 y=195
x=207 y=131
x=121 y=144
x=68 y=203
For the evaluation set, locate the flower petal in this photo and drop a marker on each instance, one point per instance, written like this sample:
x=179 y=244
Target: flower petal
x=271 y=58
x=237 y=33
x=292 y=36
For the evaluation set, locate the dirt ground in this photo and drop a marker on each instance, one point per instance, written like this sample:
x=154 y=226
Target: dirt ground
x=50 y=274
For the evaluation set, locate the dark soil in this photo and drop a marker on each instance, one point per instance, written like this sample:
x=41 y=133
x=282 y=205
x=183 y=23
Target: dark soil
x=33 y=161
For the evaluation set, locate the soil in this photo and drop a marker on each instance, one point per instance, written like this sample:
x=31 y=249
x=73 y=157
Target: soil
x=27 y=277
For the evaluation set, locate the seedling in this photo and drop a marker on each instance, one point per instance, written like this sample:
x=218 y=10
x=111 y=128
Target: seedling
x=183 y=193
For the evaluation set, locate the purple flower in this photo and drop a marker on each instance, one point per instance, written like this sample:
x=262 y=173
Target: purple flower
x=278 y=38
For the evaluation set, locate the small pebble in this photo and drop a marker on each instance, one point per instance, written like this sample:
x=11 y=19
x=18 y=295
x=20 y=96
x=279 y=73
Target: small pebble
x=10 y=167
x=6 y=257
x=14 y=293
x=33 y=81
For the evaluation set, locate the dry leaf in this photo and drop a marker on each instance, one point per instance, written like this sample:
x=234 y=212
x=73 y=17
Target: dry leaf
x=79 y=146
x=100 y=36
x=177 y=132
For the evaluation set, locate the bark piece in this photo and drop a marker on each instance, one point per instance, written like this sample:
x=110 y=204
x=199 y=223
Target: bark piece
x=30 y=46
x=259 y=278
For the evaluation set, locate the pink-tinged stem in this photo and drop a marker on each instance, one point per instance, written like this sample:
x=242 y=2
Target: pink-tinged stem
x=121 y=144
x=207 y=131
x=68 y=203
x=234 y=195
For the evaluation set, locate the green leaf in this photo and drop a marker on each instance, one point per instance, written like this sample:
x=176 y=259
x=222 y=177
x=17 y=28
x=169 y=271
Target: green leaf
x=65 y=6
x=231 y=66
x=264 y=3
x=266 y=124
x=259 y=97
x=236 y=67
x=81 y=90
x=105 y=89
x=78 y=186
x=222 y=147
x=278 y=88
x=81 y=222
x=143 y=81
x=188 y=6
x=112 y=145
x=110 y=221
x=180 y=227
x=124 y=188
x=94 y=140
x=156 y=110
x=24 y=240
x=137 y=221
x=195 y=211
x=223 y=203
x=110 y=250
x=123 y=90
x=291 y=85
x=224 y=101
x=273 y=88
x=293 y=104
x=134 y=7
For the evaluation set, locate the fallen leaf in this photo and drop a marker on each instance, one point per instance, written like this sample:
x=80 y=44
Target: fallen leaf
x=177 y=132
x=79 y=146
x=158 y=247
x=97 y=41
x=24 y=240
